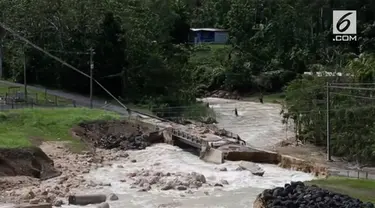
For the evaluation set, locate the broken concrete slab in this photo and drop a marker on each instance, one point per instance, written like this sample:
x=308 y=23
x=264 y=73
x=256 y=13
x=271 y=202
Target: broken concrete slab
x=252 y=167
x=213 y=156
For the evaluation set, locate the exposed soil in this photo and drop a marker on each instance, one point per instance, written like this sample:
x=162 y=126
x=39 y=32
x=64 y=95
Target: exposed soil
x=30 y=161
x=125 y=135
x=19 y=189
x=317 y=155
x=224 y=94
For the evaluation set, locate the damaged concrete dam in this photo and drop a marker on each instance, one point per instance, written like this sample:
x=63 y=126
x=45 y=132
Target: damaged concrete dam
x=144 y=169
x=225 y=174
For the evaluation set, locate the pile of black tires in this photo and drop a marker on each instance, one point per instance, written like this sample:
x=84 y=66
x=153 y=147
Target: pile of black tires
x=299 y=195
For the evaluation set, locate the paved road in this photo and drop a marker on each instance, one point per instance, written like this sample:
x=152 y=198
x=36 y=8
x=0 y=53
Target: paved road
x=81 y=100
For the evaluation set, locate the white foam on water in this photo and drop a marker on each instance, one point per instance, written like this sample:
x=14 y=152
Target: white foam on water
x=173 y=159
x=258 y=124
x=241 y=192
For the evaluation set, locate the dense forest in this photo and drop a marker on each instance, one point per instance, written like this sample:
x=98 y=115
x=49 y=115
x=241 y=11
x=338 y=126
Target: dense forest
x=142 y=55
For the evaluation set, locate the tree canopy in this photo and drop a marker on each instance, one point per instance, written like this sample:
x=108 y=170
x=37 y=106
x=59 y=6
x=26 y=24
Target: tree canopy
x=142 y=52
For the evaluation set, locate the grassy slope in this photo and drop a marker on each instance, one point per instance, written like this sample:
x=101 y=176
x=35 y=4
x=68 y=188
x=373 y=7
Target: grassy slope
x=18 y=127
x=357 y=188
x=206 y=51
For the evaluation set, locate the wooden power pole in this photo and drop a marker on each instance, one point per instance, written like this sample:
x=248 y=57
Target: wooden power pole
x=91 y=76
x=24 y=73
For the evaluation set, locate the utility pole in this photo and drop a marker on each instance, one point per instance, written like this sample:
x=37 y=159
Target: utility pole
x=91 y=76
x=24 y=72
x=2 y=35
x=328 y=125
x=1 y=58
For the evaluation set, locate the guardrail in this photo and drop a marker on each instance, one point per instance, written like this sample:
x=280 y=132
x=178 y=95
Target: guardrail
x=190 y=139
x=359 y=174
x=8 y=102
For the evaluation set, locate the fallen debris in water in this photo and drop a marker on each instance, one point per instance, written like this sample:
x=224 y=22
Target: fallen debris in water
x=252 y=167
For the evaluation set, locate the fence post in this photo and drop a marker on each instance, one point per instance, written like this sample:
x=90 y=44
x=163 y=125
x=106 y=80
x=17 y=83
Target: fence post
x=74 y=103
x=36 y=98
x=56 y=100
x=12 y=104
x=329 y=159
x=45 y=95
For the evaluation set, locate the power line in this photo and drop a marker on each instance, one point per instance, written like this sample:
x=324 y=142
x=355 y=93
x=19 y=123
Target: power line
x=300 y=112
x=354 y=96
x=212 y=107
x=70 y=52
x=59 y=60
x=352 y=88
x=352 y=83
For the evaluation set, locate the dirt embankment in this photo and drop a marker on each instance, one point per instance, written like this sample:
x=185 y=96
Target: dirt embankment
x=27 y=189
x=224 y=94
x=35 y=163
x=31 y=161
x=124 y=135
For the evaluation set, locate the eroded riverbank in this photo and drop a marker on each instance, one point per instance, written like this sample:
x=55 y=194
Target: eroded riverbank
x=128 y=176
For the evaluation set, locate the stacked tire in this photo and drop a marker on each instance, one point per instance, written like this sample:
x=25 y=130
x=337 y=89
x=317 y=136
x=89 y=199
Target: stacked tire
x=299 y=195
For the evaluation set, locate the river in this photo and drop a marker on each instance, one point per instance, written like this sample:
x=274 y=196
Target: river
x=258 y=124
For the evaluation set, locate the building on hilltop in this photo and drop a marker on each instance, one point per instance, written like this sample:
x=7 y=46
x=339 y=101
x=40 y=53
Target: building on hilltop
x=208 y=35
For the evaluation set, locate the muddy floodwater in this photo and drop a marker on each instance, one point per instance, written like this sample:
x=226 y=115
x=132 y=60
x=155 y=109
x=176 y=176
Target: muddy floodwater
x=258 y=124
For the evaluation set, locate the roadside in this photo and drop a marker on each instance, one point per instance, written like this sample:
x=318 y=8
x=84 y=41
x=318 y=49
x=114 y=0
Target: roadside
x=80 y=99
x=361 y=189
x=38 y=97
x=337 y=167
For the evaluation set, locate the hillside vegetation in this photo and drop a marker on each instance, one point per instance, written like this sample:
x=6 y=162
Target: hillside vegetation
x=20 y=128
x=142 y=55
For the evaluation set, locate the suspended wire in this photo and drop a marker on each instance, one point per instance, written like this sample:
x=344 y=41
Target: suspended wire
x=59 y=60
x=352 y=88
x=355 y=96
x=348 y=83
x=71 y=52
x=300 y=112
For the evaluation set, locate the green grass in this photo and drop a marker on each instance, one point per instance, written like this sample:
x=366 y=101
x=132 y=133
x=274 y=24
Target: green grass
x=41 y=96
x=267 y=98
x=18 y=128
x=205 y=53
x=198 y=111
x=357 y=188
